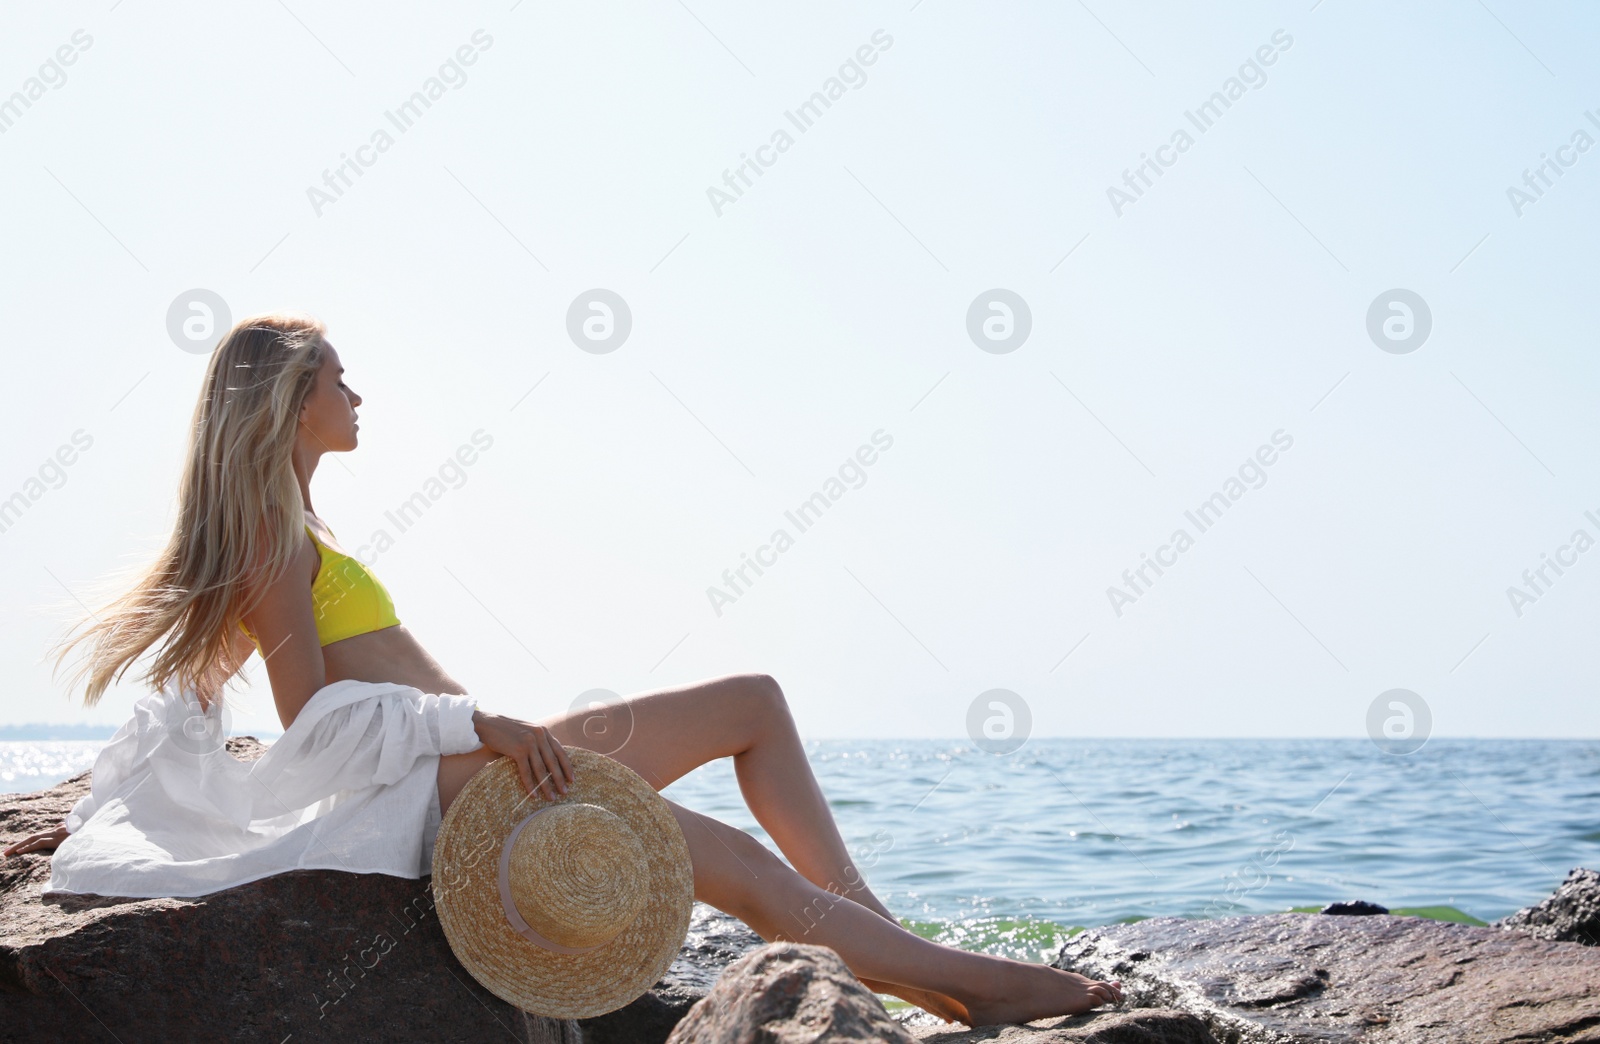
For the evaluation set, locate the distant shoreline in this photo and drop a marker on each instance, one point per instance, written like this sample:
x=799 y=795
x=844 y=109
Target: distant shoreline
x=44 y=733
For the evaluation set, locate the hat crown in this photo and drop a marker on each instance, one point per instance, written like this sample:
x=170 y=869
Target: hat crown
x=578 y=874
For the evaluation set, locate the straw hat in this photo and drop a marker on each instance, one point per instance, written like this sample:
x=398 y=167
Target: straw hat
x=568 y=908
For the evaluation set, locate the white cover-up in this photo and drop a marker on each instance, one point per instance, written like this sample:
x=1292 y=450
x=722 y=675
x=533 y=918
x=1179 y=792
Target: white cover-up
x=351 y=785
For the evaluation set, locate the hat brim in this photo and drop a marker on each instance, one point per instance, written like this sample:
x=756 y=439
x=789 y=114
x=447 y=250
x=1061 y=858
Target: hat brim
x=519 y=971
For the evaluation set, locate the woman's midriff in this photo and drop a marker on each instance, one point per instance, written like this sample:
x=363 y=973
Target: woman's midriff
x=394 y=655
x=390 y=655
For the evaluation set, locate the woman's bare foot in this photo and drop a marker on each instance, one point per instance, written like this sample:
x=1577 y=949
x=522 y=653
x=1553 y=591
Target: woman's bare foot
x=942 y=1005
x=1021 y=992
x=947 y=1008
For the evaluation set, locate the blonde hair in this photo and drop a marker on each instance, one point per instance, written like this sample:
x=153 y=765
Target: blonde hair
x=240 y=517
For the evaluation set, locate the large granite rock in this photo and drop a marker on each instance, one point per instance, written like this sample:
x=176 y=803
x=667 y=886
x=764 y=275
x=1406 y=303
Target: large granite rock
x=279 y=957
x=1378 y=979
x=304 y=956
x=1572 y=914
x=271 y=957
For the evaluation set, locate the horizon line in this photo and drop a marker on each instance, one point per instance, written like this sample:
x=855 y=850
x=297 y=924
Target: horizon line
x=86 y=732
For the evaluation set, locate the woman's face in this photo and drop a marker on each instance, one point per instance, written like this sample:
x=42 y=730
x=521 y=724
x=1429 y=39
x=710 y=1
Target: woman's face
x=328 y=417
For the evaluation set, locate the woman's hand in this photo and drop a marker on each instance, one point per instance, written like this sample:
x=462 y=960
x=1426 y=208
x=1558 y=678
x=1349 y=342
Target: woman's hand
x=536 y=753
x=37 y=842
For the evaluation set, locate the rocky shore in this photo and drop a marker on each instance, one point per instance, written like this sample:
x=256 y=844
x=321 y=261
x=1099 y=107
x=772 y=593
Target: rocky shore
x=1379 y=978
x=323 y=955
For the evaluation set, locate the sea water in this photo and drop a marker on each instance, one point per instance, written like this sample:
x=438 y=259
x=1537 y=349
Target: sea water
x=30 y=765
x=1009 y=854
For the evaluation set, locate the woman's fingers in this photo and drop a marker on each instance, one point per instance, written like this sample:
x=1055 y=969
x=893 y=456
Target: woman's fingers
x=525 y=771
x=556 y=758
x=541 y=773
x=33 y=842
x=540 y=759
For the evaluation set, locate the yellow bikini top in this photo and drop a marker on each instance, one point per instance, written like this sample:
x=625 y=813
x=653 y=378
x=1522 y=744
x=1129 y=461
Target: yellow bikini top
x=348 y=600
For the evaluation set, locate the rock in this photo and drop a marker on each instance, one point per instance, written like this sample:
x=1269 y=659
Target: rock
x=1354 y=908
x=304 y=956
x=1304 y=977
x=715 y=940
x=1572 y=914
x=292 y=913
x=797 y=992
x=1146 y=1026
x=788 y=992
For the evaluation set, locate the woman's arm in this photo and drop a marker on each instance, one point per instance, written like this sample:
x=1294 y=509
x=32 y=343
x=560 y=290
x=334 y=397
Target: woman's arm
x=286 y=625
x=242 y=646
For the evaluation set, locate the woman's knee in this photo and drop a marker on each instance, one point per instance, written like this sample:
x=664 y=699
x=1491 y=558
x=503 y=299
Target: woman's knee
x=766 y=687
x=764 y=696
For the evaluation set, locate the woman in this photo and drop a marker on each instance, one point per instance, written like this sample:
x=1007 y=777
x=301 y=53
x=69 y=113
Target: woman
x=252 y=568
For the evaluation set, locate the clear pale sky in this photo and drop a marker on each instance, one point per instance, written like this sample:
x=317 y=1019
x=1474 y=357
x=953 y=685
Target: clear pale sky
x=1174 y=330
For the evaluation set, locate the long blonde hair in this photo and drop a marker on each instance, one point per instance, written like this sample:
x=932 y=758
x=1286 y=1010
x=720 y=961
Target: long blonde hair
x=240 y=517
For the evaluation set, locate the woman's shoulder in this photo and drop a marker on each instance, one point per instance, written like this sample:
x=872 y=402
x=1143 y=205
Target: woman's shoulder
x=259 y=576
x=322 y=535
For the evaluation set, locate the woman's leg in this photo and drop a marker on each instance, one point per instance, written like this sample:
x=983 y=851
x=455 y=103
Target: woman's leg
x=666 y=733
x=738 y=874
x=456 y=769
x=743 y=716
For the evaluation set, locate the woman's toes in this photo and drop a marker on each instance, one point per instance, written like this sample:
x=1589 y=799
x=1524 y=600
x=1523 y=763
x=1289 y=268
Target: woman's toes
x=1107 y=992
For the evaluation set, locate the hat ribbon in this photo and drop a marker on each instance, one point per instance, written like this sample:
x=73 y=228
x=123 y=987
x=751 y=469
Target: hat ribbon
x=512 y=914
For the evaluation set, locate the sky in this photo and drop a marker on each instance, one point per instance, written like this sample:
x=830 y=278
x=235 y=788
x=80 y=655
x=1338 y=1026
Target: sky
x=1006 y=292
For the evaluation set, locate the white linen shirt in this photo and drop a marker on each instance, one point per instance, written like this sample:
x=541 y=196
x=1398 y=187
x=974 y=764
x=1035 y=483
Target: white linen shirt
x=351 y=785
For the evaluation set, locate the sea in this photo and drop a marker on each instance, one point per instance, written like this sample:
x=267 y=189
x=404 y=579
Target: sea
x=1013 y=854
